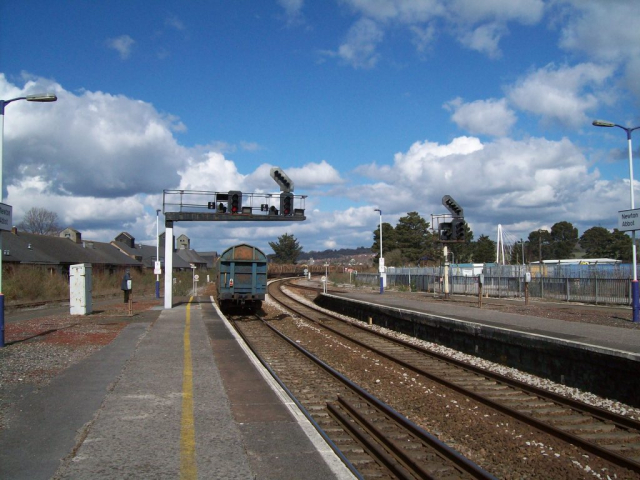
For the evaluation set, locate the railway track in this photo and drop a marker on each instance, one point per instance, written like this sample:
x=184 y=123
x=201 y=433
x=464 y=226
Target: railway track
x=609 y=436
x=375 y=441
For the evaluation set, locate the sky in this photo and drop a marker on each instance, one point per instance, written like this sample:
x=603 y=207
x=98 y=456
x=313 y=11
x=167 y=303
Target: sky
x=364 y=104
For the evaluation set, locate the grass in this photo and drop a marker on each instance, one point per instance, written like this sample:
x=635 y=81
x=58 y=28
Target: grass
x=36 y=284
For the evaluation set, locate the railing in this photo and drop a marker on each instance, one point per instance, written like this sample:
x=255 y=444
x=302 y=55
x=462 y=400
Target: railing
x=613 y=291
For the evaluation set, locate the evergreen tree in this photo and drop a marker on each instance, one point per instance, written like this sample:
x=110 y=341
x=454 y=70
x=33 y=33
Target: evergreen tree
x=564 y=237
x=413 y=237
x=596 y=242
x=539 y=244
x=620 y=246
x=286 y=250
x=388 y=240
x=484 y=250
x=463 y=252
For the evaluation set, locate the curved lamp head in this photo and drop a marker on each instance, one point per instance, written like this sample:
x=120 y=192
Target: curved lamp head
x=602 y=123
x=41 y=97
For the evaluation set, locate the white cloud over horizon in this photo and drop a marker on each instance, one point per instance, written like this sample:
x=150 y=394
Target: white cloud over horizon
x=101 y=159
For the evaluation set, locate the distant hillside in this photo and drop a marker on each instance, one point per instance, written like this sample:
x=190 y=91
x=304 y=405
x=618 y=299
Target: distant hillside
x=343 y=252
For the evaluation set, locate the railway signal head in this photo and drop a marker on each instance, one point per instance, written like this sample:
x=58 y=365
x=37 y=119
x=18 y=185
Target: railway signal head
x=235 y=201
x=445 y=231
x=285 y=183
x=453 y=206
x=458 y=228
x=286 y=203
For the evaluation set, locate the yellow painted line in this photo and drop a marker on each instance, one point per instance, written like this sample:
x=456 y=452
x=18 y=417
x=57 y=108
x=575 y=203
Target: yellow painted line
x=188 y=467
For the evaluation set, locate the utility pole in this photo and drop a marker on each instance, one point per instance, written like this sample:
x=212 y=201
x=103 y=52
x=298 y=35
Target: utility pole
x=540 y=247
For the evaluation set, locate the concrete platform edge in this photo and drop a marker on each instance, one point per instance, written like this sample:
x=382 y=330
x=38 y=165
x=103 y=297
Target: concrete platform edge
x=480 y=326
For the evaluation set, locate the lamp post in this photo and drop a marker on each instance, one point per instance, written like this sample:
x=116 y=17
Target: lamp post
x=326 y=276
x=41 y=97
x=635 y=304
x=381 y=261
x=157 y=252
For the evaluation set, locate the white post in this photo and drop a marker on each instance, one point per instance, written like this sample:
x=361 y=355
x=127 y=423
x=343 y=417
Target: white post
x=446 y=272
x=157 y=252
x=168 y=265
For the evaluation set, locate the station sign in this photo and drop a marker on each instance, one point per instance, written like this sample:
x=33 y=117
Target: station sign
x=6 y=214
x=629 y=220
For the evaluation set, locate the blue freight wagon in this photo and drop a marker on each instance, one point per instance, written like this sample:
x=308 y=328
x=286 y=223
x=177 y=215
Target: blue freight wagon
x=242 y=278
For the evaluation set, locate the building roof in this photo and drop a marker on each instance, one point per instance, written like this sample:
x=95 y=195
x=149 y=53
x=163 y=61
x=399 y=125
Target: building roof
x=191 y=257
x=45 y=249
x=146 y=254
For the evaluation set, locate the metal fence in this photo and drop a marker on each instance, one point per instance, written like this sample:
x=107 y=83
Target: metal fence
x=597 y=290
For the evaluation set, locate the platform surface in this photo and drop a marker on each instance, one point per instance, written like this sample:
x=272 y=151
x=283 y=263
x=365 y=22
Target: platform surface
x=174 y=398
x=622 y=340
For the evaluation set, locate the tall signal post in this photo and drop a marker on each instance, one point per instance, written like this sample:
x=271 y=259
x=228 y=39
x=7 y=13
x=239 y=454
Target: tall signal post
x=451 y=232
x=231 y=206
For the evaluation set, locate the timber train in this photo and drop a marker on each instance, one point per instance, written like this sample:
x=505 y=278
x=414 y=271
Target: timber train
x=242 y=278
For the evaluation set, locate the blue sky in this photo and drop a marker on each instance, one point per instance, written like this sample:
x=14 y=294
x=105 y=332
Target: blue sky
x=365 y=104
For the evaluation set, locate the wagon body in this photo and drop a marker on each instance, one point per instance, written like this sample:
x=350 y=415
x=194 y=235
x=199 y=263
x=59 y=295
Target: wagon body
x=242 y=277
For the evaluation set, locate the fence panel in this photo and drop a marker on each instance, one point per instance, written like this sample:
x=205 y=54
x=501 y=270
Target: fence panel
x=612 y=291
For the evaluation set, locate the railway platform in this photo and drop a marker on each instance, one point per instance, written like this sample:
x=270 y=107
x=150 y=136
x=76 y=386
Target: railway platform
x=176 y=397
x=591 y=336
x=591 y=357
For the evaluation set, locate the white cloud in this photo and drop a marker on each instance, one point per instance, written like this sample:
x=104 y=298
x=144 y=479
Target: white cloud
x=122 y=44
x=483 y=117
x=312 y=175
x=91 y=143
x=211 y=172
x=478 y=25
x=484 y=39
x=422 y=37
x=293 y=11
x=500 y=182
x=604 y=30
x=527 y=12
x=175 y=22
x=562 y=94
x=359 y=48
x=101 y=162
x=403 y=11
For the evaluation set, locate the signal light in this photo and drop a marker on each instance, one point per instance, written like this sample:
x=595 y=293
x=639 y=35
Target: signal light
x=286 y=203
x=235 y=201
x=453 y=206
x=445 y=231
x=281 y=178
x=457 y=225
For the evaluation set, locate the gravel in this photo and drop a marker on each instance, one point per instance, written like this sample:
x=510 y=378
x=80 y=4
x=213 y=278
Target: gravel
x=38 y=349
x=499 y=444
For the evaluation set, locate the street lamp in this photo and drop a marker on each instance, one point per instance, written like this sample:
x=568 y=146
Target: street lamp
x=326 y=276
x=381 y=261
x=41 y=97
x=635 y=304
x=157 y=252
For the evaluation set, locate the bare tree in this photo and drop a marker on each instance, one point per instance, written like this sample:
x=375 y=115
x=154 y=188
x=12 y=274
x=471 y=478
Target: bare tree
x=41 y=221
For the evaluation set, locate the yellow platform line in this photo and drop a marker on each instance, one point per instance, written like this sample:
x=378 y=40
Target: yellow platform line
x=188 y=467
